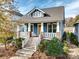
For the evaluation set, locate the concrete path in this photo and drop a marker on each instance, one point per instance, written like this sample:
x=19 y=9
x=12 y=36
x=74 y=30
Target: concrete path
x=73 y=53
x=18 y=57
x=27 y=51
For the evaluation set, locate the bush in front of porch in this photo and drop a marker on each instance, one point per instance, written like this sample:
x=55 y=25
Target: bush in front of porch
x=71 y=38
x=53 y=47
x=18 y=43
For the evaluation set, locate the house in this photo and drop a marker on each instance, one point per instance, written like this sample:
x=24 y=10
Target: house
x=77 y=29
x=44 y=23
x=69 y=29
x=15 y=15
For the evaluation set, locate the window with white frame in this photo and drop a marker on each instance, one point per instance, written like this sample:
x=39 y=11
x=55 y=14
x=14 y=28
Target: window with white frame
x=49 y=27
x=37 y=13
x=54 y=27
x=26 y=25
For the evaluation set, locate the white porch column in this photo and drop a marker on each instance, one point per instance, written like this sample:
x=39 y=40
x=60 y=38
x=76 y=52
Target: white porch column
x=25 y=28
x=57 y=27
x=29 y=27
x=18 y=30
x=42 y=27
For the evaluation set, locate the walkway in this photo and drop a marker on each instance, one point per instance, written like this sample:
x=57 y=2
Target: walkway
x=73 y=52
x=28 y=50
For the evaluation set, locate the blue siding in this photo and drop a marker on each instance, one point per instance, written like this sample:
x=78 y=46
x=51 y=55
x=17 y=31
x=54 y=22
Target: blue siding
x=45 y=27
x=35 y=28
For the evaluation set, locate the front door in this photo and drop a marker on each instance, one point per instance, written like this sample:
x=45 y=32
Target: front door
x=39 y=29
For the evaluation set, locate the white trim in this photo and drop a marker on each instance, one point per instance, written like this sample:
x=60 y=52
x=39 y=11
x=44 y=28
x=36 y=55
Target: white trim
x=29 y=27
x=41 y=27
x=57 y=29
x=47 y=27
x=18 y=29
x=33 y=10
x=40 y=10
x=52 y=27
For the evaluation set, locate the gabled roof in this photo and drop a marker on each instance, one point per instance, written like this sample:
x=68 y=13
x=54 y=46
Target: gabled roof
x=16 y=13
x=34 y=10
x=56 y=14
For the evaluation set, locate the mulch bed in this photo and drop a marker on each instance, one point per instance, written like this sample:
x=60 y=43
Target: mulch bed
x=6 y=54
x=40 y=55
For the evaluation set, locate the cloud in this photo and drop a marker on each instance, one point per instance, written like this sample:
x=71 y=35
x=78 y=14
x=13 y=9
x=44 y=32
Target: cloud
x=59 y=3
x=72 y=9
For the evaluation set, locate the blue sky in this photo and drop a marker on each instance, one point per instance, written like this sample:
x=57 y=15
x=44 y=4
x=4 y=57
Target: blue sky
x=71 y=6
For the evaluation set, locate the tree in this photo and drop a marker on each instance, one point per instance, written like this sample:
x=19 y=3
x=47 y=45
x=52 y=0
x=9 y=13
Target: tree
x=77 y=18
x=5 y=20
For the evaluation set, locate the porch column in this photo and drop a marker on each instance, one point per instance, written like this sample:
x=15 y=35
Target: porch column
x=29 y=30
x=42 y=27
x=57 y=27
x=25 y=28
x=18 y=31
x=29 y=27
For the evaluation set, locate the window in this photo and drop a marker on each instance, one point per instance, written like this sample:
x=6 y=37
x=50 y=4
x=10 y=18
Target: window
x=21 y=28
x=50 y=27
x=54 y=27
x=26 y=25
x=37 y=13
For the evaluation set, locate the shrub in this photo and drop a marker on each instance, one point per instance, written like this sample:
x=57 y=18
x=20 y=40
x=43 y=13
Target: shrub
x=64 y=37
x=18 y=42
x=54 y=47
x=42 y=46
x=69 y=36
x=73 y=39
x=65 y=48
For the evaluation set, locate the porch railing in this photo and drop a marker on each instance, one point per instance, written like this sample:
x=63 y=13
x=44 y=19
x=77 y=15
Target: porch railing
x=49 y=35
x=24 y=35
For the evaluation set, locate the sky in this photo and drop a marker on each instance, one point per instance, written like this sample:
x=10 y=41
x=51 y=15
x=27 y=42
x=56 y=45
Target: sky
x=71 y=6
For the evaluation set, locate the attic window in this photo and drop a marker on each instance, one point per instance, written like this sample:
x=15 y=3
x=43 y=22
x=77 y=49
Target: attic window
x=37 y=13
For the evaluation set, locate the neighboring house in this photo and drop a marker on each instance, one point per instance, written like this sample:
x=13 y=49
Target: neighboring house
x=47 y=23
x=77 y=29
x=69 y=29
x=14 y=15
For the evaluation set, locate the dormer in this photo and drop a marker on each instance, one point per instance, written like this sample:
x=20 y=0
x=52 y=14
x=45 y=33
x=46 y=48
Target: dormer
x=37 y=13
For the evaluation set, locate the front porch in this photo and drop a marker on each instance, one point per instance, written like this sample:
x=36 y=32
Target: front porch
x=45 y=30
